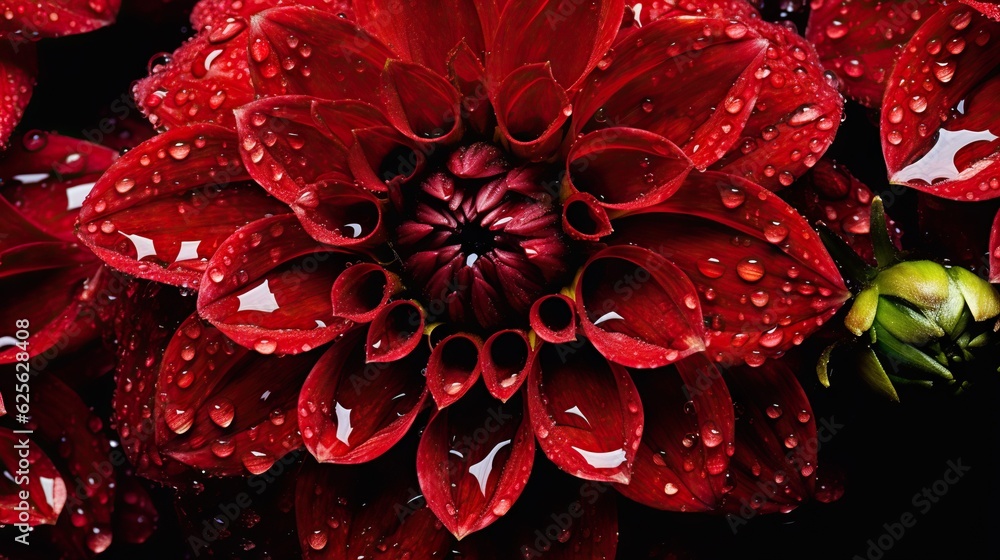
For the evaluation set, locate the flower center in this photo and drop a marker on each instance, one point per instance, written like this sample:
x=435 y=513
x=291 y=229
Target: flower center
x=482 y=239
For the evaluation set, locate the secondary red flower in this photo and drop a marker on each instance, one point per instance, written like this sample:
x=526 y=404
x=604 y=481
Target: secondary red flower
x=520 y=195
x=26 y=21
x=46 y=277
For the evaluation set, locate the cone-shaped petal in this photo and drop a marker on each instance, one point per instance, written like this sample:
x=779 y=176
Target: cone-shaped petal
x=585 y=412
x=470 y=481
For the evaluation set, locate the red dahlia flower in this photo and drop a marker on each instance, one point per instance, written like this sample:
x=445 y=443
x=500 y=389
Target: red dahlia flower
x=379 y=206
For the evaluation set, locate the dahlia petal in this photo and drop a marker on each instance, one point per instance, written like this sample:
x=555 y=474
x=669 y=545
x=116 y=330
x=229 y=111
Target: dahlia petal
x=553 y=318
x=274 y=296
x=63 y=417
x=687 y=440
x=405 y=27
x=352 y=512
x=995 y=251
x=44 y=506
x=202 y=81
x=505 y=360
x=36 y=19
x=533 y=533
x=531 y=108
x=381 y=157
x=797 y=107
x=351 y=411
x=830 y=194
x=287 y=147
x=584 y=218
x=453 y=368
x=303 y=51
x=136 y=516
x=860 y=41
x=541 y=31
x=147 y=320
x=63 y=306
x=47 y=176
x=342 y=215
x=986 y=7
x=776 y=441
x=479 y=161
x=362 y=290
x=585 y=412
x=626 y=168
x=466 y=71
x=18 y=67
x=761 y=294
x=214 y=12
x=420 y=103
x=939 y=133
x=395 y=331
x=223 y=409
x=122 y=218
x=641 y=88
x=470 y=482
x=637 y=308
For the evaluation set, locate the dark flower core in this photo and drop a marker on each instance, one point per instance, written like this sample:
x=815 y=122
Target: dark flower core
x=482 y=239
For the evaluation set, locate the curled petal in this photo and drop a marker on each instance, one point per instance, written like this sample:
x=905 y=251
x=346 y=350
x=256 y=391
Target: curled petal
x=223 y=409
x=626 y=168
x=362 y=290
x=287 y=146
x=761 y=295
x=638 y=309
x=45 y=487
x=404 y=26
x=939 y=133
x=395 y=331
x=351 y=411
x=469 y=481
x=505 y=360
x=274 y=295
x=649 y=85
x=420 y=103
x=531 y=108
x=585 y=218
x=541 y=31
x=193 y=173
x=18 y=66
x=467 y=73
x=553 y=318
x=304 y=51
x=350 y=512
x=585 y=412
x=381 y=157
x=202 y=81
x=453 y=368
x=31 y=20
x=342 y=215
x=688 y=438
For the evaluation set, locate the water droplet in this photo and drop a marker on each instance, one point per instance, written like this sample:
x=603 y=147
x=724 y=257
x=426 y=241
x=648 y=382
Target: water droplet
x=711 y=268
x=750 y=270
x=124 y=185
